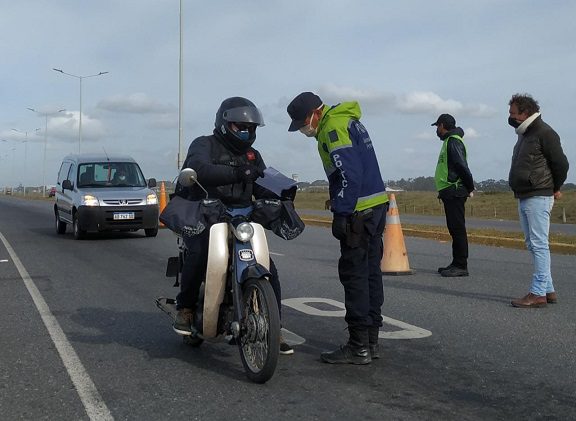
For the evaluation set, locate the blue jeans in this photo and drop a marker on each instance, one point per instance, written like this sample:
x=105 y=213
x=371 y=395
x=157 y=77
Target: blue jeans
x=534 y=215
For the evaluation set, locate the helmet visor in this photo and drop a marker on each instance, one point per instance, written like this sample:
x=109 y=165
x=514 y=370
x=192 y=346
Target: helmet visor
x=246 y=114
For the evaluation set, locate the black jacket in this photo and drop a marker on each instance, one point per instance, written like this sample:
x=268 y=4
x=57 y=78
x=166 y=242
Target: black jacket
x=214 y=162
x=539 y=166
x=457 y=167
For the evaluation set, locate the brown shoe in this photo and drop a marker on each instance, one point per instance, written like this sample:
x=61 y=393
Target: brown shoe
x=530 y=301
x=551 y=298
x=183 y=321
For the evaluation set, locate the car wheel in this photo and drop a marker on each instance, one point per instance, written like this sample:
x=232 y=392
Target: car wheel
x=60 y=226
x=151 y=232
x=78 y=233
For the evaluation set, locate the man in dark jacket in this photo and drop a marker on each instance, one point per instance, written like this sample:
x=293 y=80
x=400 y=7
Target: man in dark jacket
x=227 y=166
x=454 y=184
x=539 y=168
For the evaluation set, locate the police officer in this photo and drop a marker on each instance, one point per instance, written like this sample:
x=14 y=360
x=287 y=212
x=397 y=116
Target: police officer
x=227 y=166
x=359 y=203
x=454 y=184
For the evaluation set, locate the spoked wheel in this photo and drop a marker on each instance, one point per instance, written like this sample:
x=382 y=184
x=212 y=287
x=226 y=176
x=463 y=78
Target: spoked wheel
x=259 y=331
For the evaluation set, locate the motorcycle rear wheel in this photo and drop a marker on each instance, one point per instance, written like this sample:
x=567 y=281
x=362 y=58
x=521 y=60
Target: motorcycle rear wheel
x=259 y=341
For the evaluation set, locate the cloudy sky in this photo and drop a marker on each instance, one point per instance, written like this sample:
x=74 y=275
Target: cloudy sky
x=405 y=62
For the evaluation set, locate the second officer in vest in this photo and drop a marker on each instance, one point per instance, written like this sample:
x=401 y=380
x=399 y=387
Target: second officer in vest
x=455 y=184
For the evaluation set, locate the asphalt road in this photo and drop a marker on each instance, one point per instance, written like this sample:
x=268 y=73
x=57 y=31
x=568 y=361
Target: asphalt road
x=116 y=357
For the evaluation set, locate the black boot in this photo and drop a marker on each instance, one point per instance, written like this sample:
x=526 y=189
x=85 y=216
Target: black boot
x=442 y=269
x=373 y=342
x=354 y=352
x=454 y=271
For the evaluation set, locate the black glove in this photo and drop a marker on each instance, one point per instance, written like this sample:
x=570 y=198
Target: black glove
x=339 y=224
x=247 y=173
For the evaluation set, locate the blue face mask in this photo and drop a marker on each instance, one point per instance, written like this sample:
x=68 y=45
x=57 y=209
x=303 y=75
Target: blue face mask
x=243 y=135
x=243 y=131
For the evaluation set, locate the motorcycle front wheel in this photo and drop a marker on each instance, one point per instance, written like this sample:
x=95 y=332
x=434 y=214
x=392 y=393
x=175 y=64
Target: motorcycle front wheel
x=259 y=330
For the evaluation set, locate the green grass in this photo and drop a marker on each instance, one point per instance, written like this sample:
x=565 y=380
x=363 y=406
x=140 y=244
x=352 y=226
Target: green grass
x=498 y=205
x=559 y=243
x=482 y=205
x=305 y=200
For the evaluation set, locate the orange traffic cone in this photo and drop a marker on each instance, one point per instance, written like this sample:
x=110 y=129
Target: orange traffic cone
x=162 y=201
x=395 y=258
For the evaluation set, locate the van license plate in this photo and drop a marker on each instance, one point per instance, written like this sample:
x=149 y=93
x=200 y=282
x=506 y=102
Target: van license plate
x=123 y=215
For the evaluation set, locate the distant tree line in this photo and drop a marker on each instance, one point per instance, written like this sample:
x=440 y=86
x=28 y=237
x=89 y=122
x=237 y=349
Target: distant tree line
x=410 y=184
x=315 y=186
x=427 y=184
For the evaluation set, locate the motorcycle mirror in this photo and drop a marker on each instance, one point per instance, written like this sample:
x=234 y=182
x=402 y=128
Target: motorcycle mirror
x=187 y=177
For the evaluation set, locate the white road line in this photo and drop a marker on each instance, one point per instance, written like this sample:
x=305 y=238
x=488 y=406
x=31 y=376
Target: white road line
x=407 y=331
x=89 y=395
x=275 y=254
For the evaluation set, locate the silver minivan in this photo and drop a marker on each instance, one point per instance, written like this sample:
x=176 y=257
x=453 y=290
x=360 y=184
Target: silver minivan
x=99 y=192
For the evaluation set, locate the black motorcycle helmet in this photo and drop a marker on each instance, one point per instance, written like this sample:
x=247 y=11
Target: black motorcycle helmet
x=236 y=120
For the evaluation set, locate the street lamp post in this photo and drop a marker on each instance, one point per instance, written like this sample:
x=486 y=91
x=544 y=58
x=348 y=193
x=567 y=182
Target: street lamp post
x=2 y=158
x=13 y=149
x=25 y=152
x=80 y=119
x=45 y=145
x=6 y=156
x=13 y=160
x=180 y=71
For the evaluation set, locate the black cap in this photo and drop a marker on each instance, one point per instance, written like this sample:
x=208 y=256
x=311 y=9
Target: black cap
x=447 y=120
x=300 y=107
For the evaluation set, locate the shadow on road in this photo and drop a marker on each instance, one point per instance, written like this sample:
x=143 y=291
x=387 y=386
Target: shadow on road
x=393 y=282
x=146 y=332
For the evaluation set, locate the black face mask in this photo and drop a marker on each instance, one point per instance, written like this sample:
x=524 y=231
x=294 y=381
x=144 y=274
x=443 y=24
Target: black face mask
x=514 y=123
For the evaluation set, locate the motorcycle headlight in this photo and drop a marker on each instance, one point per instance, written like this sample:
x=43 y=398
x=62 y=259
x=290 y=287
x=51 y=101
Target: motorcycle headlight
x=244 y=232
x=152 y=199
x=89 y=200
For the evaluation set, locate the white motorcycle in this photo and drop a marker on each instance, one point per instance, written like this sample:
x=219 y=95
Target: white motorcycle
x=237 y=302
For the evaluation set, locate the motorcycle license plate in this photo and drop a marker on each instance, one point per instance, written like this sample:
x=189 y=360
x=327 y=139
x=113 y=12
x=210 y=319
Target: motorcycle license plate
x=123 y=215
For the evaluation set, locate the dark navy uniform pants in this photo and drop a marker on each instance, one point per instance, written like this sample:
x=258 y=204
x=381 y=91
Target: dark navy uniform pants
x=360 y=274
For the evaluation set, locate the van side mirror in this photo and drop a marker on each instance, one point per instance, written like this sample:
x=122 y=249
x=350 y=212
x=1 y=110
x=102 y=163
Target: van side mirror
x=152 y=183
x=67 y=185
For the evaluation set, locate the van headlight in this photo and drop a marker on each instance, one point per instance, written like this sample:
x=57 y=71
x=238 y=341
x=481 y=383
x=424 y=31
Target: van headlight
x=89 y=200
x=152 y=199
x=244 y=232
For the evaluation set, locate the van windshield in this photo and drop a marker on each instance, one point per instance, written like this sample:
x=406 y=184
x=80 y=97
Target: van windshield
x=110 y=174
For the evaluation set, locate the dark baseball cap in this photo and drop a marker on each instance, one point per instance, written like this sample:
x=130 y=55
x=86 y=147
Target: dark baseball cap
x=446 y=120
x=300 y=107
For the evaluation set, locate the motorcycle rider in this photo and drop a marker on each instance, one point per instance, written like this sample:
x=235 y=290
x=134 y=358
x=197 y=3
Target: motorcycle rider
x=227 y=166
